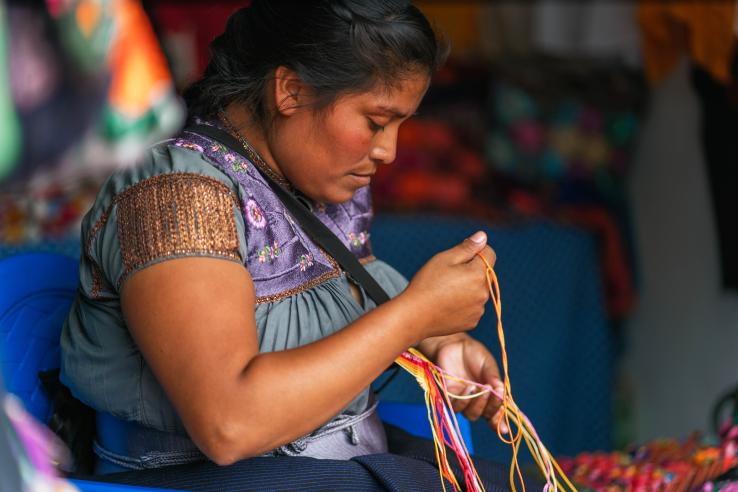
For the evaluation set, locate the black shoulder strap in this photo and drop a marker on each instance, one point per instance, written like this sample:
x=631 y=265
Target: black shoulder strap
x=317 y=231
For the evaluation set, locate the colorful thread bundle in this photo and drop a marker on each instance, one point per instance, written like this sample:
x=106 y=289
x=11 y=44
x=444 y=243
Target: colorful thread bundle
x=432 y=380
x=443 y=422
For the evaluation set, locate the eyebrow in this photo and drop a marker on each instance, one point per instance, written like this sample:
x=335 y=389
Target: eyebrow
x=397 y=113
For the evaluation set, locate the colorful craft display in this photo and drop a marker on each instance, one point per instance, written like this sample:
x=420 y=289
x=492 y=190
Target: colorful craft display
x=722 y=486
x=435 y=171
x=432 y=379
x=33 y=451
x=554 y=141
x=664 y=465
x=101 y=92
x=560 y=140
x=142 y=105
x=566 y=138
x=49 y=213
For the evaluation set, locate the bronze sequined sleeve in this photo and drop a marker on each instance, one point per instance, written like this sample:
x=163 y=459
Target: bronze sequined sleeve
x=174 y=215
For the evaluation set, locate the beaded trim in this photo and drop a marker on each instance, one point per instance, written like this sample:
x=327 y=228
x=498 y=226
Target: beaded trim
x=96 y=270
x=300 y=288
x=333 y=273
x=96 y=281
x=336 y=272
x=173 y=214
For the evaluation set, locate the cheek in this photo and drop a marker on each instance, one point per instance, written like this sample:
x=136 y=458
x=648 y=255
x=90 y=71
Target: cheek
x=349 y=142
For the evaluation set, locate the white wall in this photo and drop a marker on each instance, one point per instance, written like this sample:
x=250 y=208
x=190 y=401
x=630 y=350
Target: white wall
x=683 y=338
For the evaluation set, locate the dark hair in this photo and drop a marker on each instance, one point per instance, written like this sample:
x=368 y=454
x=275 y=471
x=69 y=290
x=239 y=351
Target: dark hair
x=337 y=47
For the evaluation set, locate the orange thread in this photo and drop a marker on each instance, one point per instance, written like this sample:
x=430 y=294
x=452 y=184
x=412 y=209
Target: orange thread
x=445 y=428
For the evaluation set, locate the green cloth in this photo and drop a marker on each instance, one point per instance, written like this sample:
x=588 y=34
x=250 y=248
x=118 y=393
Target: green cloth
x=10 y=136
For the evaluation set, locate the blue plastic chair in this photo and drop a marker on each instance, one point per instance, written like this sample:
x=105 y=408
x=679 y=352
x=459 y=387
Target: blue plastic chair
x=36 y=290
x=413 y=419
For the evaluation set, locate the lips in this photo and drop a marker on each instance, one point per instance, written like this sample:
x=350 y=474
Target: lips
x=361 y=179
x=366 y=172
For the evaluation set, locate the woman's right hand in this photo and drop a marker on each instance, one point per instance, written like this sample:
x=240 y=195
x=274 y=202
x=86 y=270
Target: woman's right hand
x=450 y=291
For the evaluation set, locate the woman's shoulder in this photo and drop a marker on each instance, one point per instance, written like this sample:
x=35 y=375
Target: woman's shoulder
x=173 y=203
x=169 y=164
x=172 y=161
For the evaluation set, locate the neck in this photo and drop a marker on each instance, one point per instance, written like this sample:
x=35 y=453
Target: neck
x=244 y=123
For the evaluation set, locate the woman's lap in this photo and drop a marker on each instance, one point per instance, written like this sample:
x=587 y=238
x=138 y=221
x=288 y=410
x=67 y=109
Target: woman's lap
x=410 y=466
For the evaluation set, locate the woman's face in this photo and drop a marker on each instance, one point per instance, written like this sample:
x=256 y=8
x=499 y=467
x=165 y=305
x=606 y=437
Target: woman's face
x=330 y=154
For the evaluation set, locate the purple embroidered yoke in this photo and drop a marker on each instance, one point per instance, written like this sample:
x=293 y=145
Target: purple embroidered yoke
x=281 y=258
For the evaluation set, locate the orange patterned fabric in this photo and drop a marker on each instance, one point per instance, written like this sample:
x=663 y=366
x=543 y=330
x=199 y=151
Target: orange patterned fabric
x=141 y=73
x=702 y=30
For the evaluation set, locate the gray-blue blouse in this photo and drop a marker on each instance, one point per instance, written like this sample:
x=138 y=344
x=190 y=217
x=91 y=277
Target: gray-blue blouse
x=192 y=196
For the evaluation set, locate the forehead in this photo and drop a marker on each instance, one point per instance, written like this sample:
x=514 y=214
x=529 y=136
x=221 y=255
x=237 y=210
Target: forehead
x=402 y=96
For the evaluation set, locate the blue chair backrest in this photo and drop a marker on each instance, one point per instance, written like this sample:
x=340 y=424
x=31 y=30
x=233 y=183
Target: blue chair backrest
x=36 y=291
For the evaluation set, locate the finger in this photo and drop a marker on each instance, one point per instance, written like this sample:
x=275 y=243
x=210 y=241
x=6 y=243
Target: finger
x=456 y=388
x=494 y=412
x=467 y=250
x=476 y=407
x=498 y=419
x=495 y=401
x=492 y=408
x=490 y=373
x=460 y=405
x=489 y=255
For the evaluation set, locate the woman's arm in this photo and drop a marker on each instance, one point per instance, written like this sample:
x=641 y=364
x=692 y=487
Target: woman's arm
x=193 y=319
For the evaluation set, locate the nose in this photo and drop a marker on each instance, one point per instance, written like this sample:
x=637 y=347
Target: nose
x=384 y=146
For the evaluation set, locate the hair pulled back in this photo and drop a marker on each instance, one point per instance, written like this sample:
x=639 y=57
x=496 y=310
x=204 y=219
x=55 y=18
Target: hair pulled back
x=336 y=47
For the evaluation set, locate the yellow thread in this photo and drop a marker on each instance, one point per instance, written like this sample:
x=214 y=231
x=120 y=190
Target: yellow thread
x=519 y=428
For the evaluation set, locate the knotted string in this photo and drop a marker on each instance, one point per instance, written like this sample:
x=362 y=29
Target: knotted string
x=445 y=428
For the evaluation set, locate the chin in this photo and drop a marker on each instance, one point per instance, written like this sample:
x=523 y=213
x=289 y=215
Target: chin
x=339 y=198
x=336 y=196
x=334 y=192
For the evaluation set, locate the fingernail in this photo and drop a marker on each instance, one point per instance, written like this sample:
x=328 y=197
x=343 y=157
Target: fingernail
x=500 y=389
x=503 y=428
x=479 y=237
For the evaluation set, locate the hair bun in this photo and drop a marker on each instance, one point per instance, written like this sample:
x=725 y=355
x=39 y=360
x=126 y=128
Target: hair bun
x=352 y=10
x=334 y=46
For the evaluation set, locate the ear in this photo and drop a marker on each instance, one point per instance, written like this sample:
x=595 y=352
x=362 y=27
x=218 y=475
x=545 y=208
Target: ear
x=290 y=92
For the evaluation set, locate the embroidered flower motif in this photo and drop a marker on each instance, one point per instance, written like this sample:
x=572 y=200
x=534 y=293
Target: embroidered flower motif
x=306 y=261
x=269 y=252
x=188 y=145
x=255 y=215
x=358 y=240
x=239 y=166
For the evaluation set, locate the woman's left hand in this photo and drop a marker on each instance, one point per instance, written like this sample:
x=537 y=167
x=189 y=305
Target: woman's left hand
x=463 y=356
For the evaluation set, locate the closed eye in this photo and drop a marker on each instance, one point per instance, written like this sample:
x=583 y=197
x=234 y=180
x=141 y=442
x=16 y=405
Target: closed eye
x=374 y=126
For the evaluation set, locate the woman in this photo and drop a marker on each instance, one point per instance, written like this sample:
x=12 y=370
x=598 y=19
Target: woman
x=209 y=328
